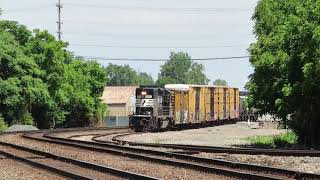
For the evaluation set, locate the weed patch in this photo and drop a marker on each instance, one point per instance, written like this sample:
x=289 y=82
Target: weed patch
x=276 y=141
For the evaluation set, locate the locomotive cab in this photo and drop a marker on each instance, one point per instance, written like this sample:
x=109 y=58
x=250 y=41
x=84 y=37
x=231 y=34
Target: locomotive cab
x=153 y=110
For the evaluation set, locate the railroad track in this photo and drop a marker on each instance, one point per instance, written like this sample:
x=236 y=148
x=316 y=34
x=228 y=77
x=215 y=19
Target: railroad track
x=22 y=157
x=63 y=166
x=64 y=130
x=227 y=168
x=97 y=135
x=213 y=149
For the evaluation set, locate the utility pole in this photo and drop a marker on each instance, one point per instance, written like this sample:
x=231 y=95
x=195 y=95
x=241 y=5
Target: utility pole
x=59 y=6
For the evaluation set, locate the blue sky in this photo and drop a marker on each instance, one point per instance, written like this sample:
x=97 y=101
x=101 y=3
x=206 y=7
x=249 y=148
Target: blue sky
x=150 y=29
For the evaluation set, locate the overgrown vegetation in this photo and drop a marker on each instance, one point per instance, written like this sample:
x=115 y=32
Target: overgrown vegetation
x=42 y=84
x=277 y=141
x=286 y=62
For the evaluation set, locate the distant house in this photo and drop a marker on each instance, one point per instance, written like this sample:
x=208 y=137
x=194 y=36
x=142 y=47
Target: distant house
x=121 y=104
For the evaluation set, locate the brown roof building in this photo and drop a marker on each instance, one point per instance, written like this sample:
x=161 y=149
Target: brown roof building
x=121 y=104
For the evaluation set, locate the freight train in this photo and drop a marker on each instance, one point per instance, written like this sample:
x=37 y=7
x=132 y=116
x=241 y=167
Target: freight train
x=178 y=105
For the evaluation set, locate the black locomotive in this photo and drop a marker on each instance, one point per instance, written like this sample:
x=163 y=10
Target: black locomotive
x=153 y=109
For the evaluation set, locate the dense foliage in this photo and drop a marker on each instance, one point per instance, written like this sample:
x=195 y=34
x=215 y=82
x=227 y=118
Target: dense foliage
x=220 y=82
x=42 y=84
x=118 y=75
x=180 y=69
x=286 y=61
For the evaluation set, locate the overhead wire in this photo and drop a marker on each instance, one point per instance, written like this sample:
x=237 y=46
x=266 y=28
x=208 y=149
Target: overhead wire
x=144 y=8
x=147 y=47
x=135 y=24
x=158 y=47
x=136 y=8
x=26 y=8
x=163 y=34
x=161 y=60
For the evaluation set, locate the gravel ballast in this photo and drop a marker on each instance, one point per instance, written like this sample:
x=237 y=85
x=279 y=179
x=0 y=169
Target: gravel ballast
x=230 y=136
x=59 y=164
x=90 y=132
x=14 y=128
x=14 y=170
x=225 y=135
x=120 y=162
x=302 y=164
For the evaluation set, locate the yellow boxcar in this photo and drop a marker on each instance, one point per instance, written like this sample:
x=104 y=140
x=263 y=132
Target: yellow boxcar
x=232 y=103
x=221 y=101
x=203 y=103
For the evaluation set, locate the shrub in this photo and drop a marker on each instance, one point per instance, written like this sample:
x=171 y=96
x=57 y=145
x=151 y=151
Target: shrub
x=3 y=125
x=275 y=141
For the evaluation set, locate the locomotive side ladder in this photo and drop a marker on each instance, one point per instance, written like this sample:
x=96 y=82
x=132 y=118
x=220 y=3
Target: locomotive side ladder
x=173 y=106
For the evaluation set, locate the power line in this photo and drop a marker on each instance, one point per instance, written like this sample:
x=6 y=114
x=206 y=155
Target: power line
x=157 y=47
x=148 y=24
x=201 y=10
x=59 y=6
x=161 y=60
x=163 y=34
x=27 y=8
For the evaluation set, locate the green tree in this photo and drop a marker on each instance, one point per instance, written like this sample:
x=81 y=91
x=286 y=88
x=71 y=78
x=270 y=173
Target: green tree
x=20 y=85
x=144 y=79
x=220 y=82
x=286 y=61
x=118 y=75
x=41 y=83
x=84 y=87
x=19 y=32
x=180 y=69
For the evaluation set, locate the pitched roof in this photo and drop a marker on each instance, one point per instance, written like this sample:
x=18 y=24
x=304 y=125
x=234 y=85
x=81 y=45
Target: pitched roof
x=118 y=94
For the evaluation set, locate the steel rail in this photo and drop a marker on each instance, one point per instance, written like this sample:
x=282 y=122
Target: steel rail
x=45 y=167
x=202 y=164
x=60 y=130
x=87 y=165
x=95 y=134
x=214 y=149
x=183 y=155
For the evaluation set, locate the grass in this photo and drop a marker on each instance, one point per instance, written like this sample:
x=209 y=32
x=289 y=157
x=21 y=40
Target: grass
x=285 y=140
x=3 y=125
x=157 y=141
